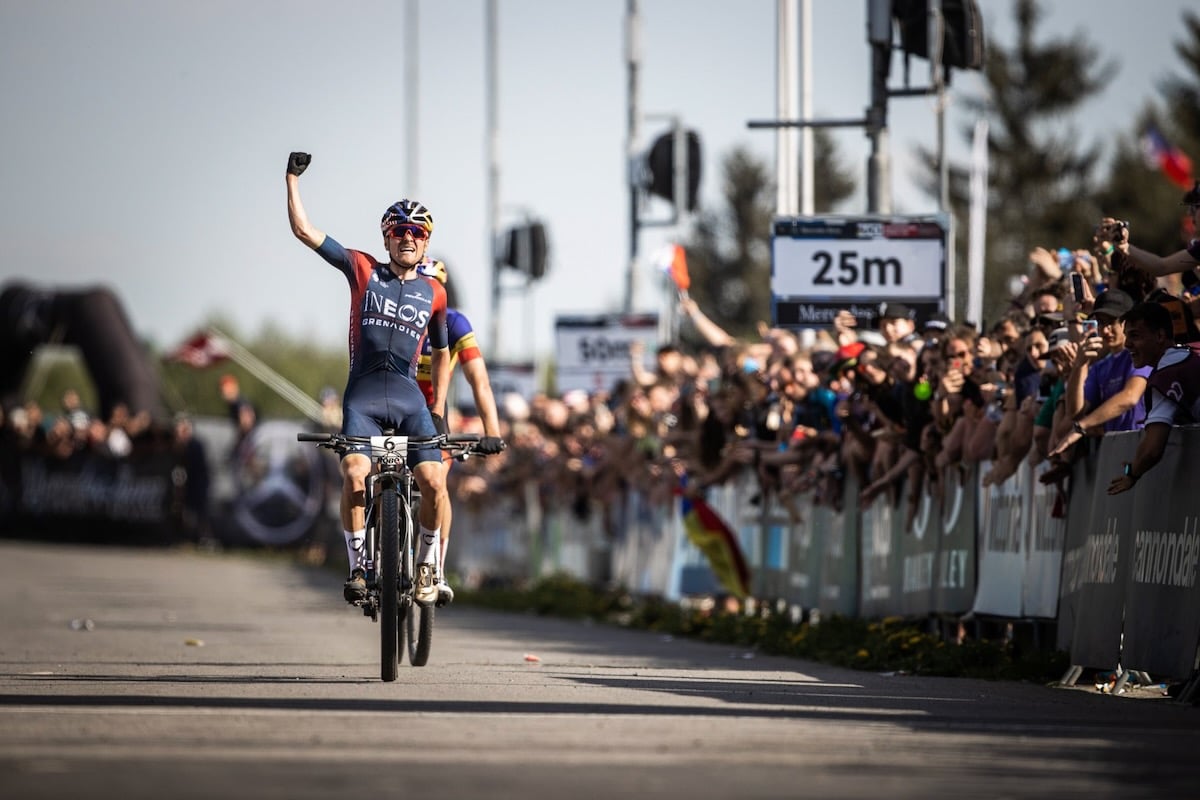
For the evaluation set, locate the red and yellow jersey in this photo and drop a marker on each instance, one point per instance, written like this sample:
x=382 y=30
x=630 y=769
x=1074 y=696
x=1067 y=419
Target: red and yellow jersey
x=463 y=347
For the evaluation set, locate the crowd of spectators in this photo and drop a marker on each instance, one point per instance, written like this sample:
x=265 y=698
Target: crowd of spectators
x=71 y=430
x=897 y=407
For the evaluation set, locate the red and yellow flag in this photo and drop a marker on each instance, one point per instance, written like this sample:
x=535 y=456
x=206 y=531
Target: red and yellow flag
x=709 y=533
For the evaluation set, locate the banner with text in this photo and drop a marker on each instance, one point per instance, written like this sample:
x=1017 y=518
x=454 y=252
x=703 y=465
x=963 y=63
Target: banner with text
x=592 y=351
x=822 y=264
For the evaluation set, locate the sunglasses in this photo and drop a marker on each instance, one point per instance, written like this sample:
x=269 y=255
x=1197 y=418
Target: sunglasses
x=416 y=231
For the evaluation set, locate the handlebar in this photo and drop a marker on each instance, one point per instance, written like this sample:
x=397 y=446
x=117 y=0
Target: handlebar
x=461 y=442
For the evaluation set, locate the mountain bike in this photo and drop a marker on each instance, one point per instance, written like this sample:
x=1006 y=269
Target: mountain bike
x=392 y=499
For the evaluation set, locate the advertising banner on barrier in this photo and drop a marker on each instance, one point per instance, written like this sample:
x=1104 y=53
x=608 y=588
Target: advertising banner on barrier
x=1044 y=548
x=90 y=495
x=1002 y=519
x=918 y=552
x=1162 y=611
x=806 y=554
x=1079 y=515
x=838 y=592
x=954 y=569
x=880 y=592
x=777 y=538
x=1104 y=561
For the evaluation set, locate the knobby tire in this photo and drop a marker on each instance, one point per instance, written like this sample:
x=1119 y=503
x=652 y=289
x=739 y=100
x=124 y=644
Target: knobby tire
x=418 y=618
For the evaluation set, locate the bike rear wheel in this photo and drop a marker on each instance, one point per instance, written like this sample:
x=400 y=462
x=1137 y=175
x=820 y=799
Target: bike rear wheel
x=418 y=619
x=389 y=586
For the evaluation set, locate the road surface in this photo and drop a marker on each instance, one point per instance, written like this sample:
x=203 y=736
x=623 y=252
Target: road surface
x=143 y=673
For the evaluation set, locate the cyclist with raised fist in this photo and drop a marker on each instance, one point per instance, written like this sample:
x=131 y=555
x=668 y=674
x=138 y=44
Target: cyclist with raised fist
x=393 y=309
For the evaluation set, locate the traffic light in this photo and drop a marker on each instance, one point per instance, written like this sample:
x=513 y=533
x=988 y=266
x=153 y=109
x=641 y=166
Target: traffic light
x=524 y=249
x=962 y=43
x=661 y=163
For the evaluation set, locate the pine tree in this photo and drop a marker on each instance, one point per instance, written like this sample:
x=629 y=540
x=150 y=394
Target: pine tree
x=1139 y=192
x=1041 y=189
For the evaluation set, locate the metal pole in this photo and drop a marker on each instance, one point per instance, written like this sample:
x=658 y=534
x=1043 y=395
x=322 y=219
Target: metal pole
x=632 y=57
x=492 y=70
x=412 y=85
x=787 y=106
x=879 y=182
x=937 y=77
x=807 y=200
x=680 y=170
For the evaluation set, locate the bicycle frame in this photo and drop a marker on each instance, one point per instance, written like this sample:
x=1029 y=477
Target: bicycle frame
x=388 y=560
x=389 y=472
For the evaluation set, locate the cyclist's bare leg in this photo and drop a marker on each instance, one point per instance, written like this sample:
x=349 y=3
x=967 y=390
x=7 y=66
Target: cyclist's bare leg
x=431 y=478
x=355 y=468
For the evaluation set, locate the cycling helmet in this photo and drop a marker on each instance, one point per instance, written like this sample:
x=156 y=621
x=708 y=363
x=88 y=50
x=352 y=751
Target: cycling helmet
x=433 y=269
x=406 y=212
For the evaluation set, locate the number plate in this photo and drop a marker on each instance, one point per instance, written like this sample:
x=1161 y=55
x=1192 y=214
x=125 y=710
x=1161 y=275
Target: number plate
x=385 y=445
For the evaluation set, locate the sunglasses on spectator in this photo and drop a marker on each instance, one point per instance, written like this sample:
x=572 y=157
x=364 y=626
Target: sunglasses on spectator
x=960 y=354
x=416 y=231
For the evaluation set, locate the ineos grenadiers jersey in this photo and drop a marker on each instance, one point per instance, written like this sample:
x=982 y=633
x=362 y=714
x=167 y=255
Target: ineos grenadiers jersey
x=463 y=347
x=390 y=318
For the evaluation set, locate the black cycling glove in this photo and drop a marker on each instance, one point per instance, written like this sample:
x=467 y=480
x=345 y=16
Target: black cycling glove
x=439 y=424
x=490 y=445
x=298 y=162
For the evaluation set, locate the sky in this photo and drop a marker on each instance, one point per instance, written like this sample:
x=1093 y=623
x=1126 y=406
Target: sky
x=144 y=142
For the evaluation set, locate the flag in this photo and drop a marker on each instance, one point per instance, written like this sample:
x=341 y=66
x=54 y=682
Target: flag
x=1162 y=155
x=202 y=350
x=672 y=260
x=709 y=533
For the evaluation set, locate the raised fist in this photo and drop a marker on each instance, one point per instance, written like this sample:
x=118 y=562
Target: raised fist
x=298 y=162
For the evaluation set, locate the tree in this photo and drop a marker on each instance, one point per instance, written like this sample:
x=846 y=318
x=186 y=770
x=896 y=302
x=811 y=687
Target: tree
x=1041 y=189
x=729 y=251
x=1140 y=193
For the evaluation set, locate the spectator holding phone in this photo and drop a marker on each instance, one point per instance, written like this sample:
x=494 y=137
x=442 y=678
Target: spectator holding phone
x=1104 y=389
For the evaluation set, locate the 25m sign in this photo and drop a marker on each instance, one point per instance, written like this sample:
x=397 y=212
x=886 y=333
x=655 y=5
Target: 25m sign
x=857 y=268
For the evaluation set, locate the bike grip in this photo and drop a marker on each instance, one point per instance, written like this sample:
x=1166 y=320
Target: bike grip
x=308 y=436
x=463 y=438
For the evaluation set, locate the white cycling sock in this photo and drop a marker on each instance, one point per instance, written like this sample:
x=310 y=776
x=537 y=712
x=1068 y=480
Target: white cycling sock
x=427 y=548
x=354 y=547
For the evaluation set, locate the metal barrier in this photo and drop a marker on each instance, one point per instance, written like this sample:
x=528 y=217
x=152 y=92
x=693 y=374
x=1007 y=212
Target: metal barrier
x=1118 y=574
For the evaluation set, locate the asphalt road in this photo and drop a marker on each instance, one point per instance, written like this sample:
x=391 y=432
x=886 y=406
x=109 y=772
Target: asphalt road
x=217 y=676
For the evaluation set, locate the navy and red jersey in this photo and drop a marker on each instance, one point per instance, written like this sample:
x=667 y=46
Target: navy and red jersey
x=463 y=347
x=390 y=318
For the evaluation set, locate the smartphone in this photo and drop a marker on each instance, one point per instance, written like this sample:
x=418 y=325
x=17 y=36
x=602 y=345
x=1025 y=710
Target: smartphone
x=1066 y=259
x=1090 y=328
x=1077 y=286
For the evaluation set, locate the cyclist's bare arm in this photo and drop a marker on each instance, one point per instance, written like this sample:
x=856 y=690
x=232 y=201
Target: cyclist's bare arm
x=475 y=371
x=301 y=227
x=440 y=371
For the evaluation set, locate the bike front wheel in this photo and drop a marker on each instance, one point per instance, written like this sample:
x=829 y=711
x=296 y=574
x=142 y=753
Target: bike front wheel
x=389 y=587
